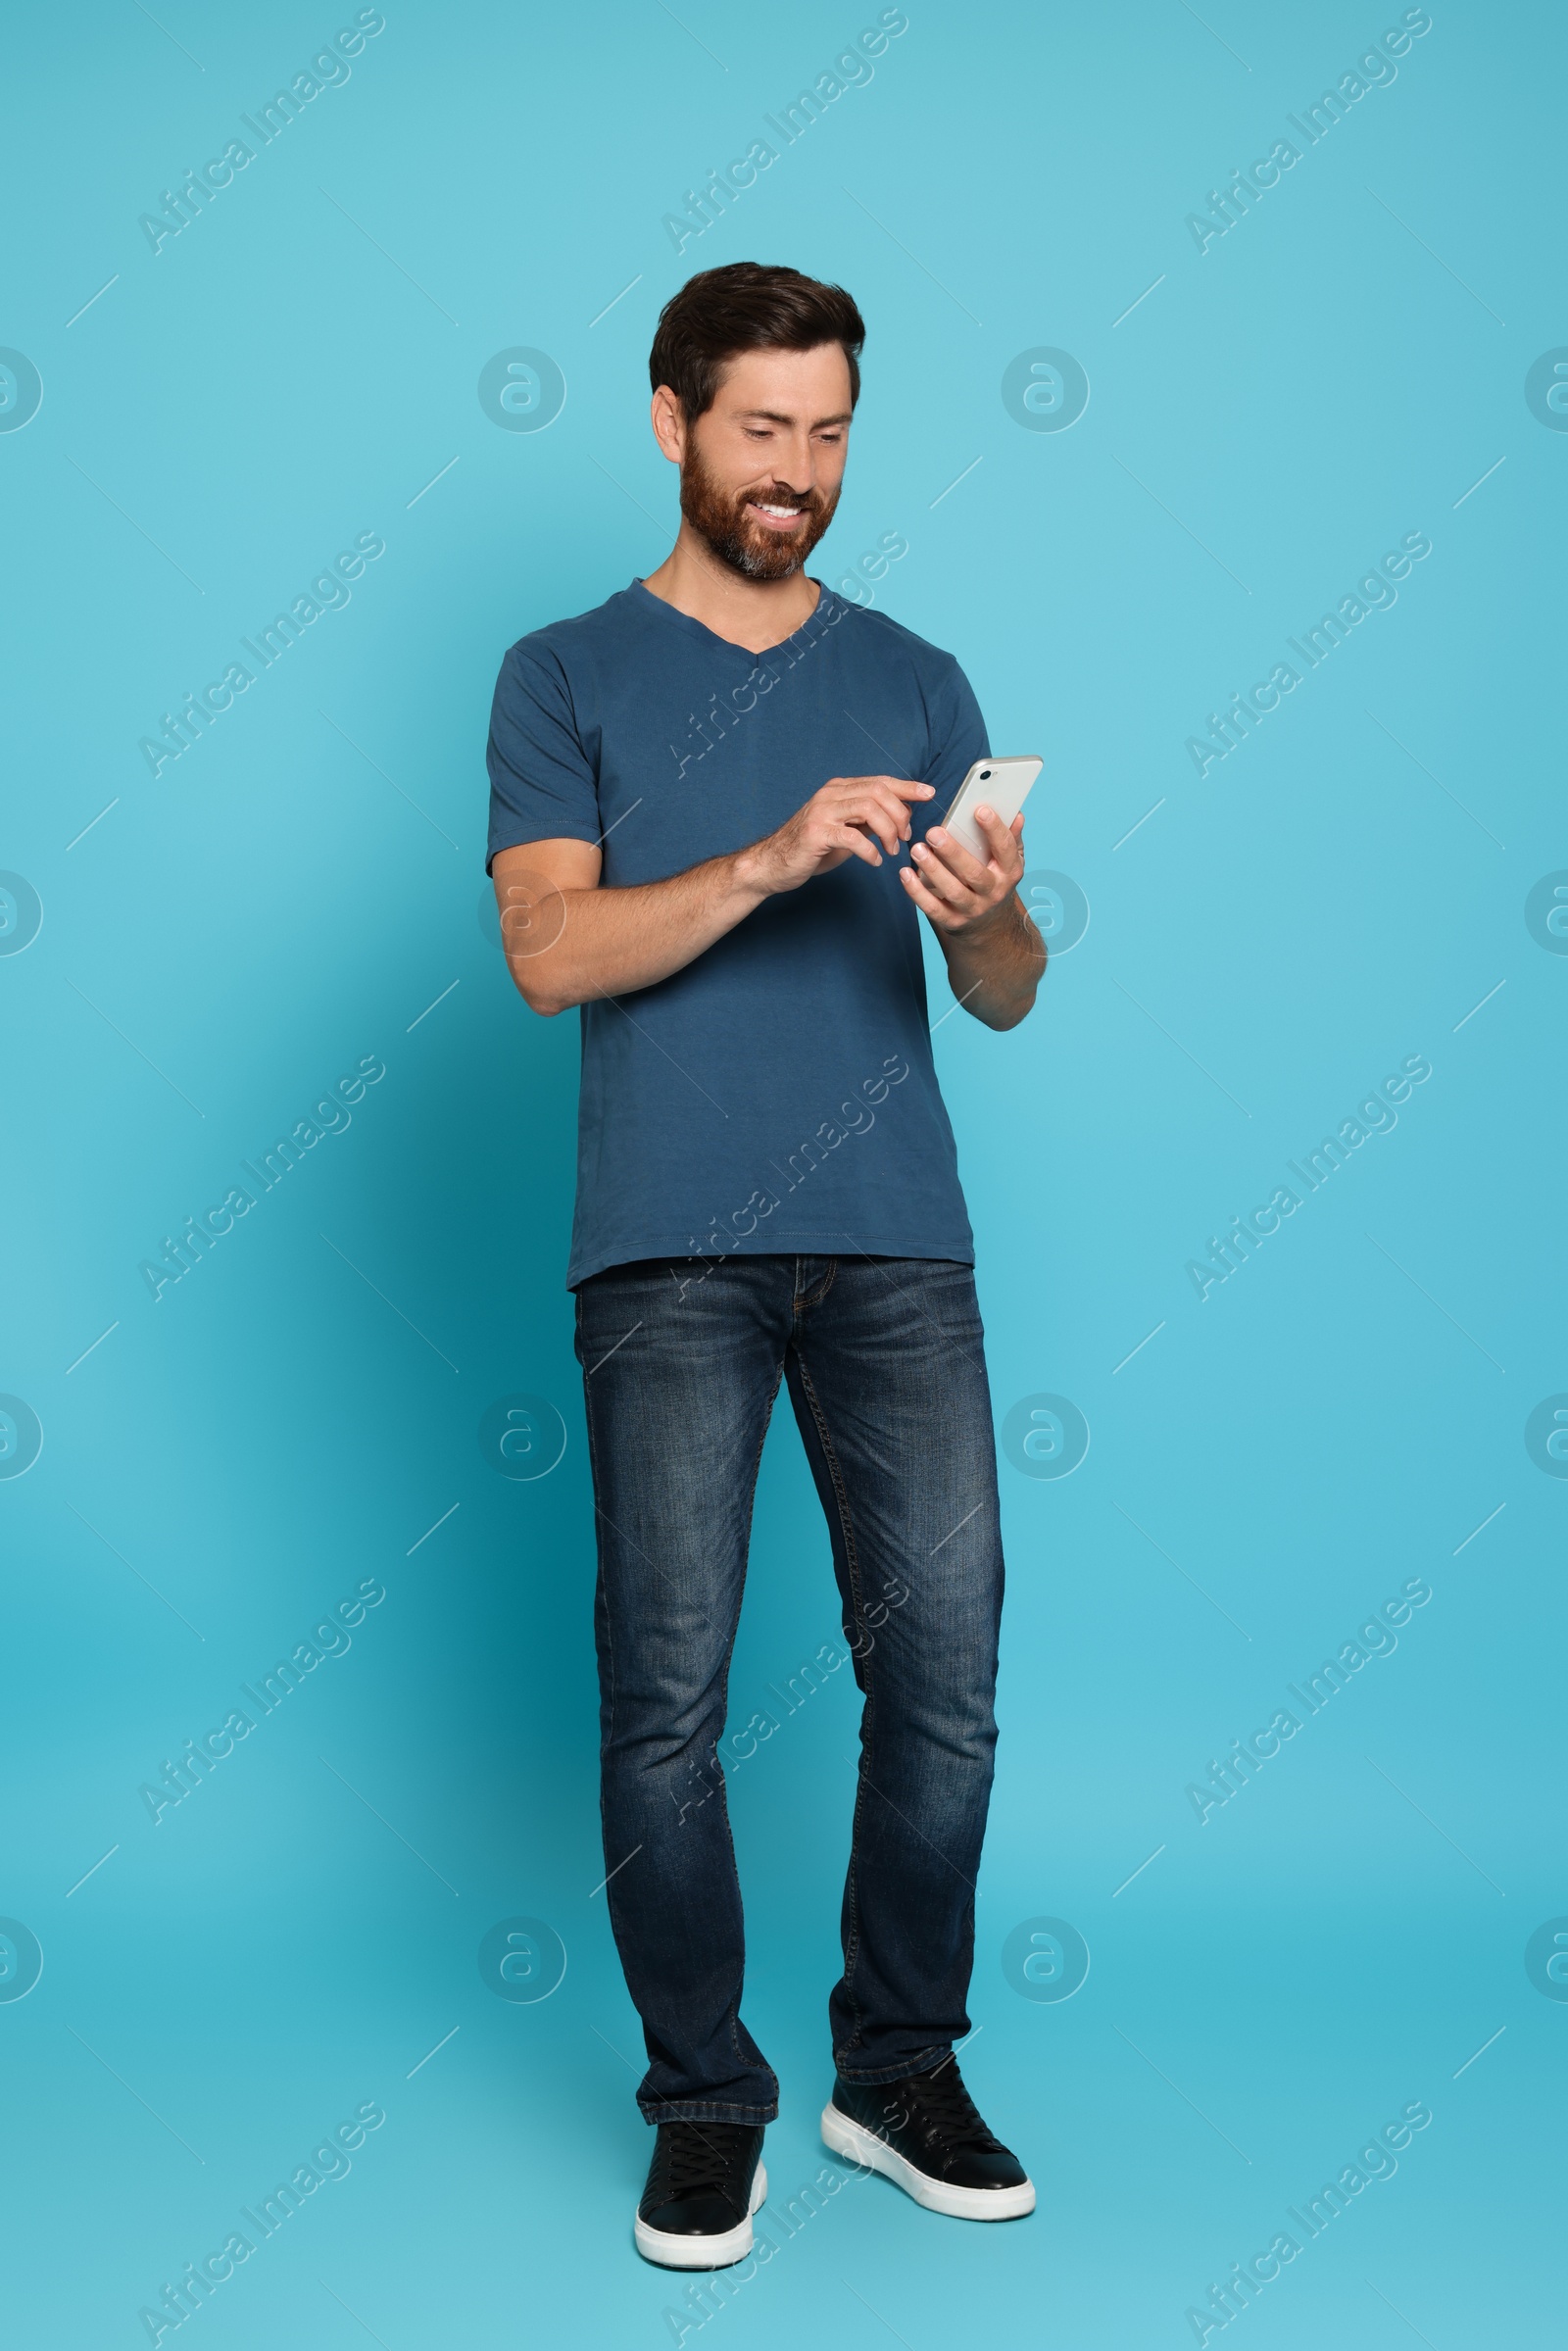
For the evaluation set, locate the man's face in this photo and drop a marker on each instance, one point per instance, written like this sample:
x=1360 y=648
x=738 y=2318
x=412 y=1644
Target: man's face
x=762 y=469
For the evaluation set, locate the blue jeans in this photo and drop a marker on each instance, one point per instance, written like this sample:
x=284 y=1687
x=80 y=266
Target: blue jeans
x=681 y=1363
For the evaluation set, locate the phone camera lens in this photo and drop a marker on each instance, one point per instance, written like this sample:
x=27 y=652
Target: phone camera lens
x=985 y=775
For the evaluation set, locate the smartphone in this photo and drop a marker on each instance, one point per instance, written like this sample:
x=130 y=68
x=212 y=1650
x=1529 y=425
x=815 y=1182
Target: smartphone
x=1002 y=784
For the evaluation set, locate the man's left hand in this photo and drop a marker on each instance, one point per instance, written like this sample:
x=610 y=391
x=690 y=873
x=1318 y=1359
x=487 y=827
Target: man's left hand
x=955 y=889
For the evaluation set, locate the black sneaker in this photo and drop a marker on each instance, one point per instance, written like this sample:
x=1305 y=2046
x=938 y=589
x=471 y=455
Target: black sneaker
x=926 y=2133
x=704 y=2185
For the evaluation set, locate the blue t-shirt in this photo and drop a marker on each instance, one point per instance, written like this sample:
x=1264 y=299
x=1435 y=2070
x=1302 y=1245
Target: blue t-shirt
x=778 y=1094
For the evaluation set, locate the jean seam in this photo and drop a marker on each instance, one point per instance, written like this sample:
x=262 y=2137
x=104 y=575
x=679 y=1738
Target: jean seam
x=798 y=1300
x=711 y=2111
x=607 y=1737
x=724 y=1783
x=852 y=1941
x=906 y=2071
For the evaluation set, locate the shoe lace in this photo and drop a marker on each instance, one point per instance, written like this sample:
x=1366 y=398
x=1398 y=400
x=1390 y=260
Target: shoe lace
x=938 y=2107
x=697 y=2156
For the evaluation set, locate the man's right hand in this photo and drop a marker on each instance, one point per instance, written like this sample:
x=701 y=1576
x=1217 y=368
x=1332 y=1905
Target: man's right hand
x=568 y=940
x=849 y=817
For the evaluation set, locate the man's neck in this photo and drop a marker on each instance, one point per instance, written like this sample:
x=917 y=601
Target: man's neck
x=753 y=613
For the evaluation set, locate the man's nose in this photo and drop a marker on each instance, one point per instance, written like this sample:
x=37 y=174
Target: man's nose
x=799 y=470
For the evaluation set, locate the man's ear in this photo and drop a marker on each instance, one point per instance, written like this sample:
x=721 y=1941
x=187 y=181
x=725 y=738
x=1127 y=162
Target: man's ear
x=668 y=421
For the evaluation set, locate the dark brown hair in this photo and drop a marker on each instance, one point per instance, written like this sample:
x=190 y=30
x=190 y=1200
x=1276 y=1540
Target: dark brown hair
x=746 y=306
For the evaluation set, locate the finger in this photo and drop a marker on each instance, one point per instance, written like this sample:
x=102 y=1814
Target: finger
x=942 y=883
x=902 y=785
x=860 y=843
x=914 y=887
x=1001 y=841
x=887 y=815
x=877 y=818
x=956 y=858
x=899 y=810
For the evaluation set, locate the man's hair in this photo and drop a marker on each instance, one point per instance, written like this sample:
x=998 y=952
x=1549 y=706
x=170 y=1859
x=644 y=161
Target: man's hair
x=746 y=306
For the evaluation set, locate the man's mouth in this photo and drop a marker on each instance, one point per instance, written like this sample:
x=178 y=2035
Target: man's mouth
x=774 y=518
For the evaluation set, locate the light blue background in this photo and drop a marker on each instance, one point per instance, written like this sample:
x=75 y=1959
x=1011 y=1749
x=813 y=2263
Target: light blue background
x=1340 y=1416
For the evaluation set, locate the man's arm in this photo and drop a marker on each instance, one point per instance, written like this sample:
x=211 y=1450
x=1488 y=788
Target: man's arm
x=996 y=958
x=568 y=940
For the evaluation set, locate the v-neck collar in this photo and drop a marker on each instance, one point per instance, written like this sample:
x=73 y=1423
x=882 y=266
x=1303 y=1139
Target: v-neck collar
x=700 y=629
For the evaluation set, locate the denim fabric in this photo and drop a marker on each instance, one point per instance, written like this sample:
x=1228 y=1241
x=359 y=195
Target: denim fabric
x=883 y=1357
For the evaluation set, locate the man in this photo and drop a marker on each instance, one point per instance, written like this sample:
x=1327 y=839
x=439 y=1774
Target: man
x=684 y=843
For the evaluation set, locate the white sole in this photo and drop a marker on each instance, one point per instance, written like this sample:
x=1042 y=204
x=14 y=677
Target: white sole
x=850 y=2138
x=702 y=2252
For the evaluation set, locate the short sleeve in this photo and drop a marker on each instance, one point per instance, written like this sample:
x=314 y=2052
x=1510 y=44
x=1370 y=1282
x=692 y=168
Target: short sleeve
x=543 y=786
x=956 y=738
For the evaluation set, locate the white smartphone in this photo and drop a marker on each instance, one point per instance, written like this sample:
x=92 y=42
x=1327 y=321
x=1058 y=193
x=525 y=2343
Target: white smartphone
x=1002 y=784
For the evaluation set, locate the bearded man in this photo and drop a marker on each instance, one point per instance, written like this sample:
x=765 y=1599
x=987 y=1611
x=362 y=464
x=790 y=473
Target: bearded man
x=686 y=845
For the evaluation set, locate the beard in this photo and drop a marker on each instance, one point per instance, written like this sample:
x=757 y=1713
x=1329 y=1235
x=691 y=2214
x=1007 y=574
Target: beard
x=720 y=516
